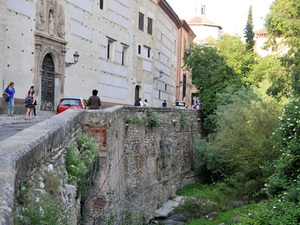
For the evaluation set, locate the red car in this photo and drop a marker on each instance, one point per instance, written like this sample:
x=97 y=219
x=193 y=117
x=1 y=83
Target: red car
x=70 y=103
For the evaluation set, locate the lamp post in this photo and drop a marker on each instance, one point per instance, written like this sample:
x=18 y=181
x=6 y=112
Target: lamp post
x=76 y=56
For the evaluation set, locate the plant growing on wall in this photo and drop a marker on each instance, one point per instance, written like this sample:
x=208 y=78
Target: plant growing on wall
x=37 y=206
x=153 y=119
x=80 y=159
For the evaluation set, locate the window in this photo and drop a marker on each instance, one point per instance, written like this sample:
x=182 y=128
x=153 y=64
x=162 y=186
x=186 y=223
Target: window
x=124 y=55
x=184 y=86
x=149 y=28
x=166 y=86
x=175 y=46
x=141 y=21
x=148 y=49
x=139 y=49
x=203 y=10
x=110 y=48
x=101 y=4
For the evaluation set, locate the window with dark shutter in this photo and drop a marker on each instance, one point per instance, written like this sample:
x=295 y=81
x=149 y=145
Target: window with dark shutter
x=149 y=28
x=141 y=21
x=101 y=4
x=184 y=86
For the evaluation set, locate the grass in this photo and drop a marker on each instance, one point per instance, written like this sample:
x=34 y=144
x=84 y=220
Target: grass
x=214 y=192
x=215 y=198
x=226 y=217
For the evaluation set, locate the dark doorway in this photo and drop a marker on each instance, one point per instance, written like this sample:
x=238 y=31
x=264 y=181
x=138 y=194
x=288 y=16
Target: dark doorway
x=47 y=84
x=137 y=93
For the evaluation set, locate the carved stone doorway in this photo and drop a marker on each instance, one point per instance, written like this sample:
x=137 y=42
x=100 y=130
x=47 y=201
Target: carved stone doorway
x=47 y=84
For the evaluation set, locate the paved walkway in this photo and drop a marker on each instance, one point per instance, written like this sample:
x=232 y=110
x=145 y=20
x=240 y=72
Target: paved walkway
x=10 y=126
x=20 y=118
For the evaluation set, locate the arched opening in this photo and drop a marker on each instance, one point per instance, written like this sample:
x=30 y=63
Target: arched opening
x=47 y=84
x=137 y=93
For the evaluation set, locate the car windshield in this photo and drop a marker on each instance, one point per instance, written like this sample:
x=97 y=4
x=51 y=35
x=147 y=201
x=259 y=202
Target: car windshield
x=180 y=103
x=69 y=102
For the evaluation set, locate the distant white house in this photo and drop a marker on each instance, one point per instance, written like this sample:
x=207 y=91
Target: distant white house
x=261 y=36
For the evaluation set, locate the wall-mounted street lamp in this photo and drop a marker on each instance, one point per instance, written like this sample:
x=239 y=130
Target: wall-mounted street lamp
x=76 y=56
x=180 y=84
x=161 y=73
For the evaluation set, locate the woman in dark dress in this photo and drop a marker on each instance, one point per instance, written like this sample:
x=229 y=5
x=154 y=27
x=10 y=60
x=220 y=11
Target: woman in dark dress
x=29 y=103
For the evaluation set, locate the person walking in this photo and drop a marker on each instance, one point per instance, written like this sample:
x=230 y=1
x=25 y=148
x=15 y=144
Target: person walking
x=9 y=92
x=140 y=101
x=145 y=103
x=94 y=101
x=29 y=103
x=164 y=104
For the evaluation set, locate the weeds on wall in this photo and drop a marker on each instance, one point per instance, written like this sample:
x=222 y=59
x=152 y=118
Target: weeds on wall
x=80 y=158
x=37 y=206
x=183 y=119
x=153 y=119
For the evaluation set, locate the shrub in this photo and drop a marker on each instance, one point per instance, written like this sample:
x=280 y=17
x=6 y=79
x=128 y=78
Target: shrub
x=275 y=212
x=79 y=160
x=287 y=167
x=153 y=119
x=38 y=208
x=210 y=164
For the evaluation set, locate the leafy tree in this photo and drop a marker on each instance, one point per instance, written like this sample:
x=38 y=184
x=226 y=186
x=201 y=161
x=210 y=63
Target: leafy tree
x=283 y=21
x=248 y=31
x=236 y=56
x=216 y=66
x=245 y=121
x=270 y=69
x=210 y=75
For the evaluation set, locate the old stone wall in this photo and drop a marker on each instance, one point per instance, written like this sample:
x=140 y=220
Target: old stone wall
x=140 y=167
x=23 y=154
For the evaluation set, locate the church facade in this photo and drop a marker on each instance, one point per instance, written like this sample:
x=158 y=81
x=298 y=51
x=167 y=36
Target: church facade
x=127 y=50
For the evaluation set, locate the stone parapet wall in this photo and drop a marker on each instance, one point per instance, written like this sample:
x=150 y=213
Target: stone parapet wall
x=21 y=154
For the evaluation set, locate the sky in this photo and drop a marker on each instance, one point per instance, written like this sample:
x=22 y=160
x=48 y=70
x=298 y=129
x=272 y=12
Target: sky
x=231 y=15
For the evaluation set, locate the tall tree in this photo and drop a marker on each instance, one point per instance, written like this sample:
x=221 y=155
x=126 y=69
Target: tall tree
x=248 y=31
x=216 y=66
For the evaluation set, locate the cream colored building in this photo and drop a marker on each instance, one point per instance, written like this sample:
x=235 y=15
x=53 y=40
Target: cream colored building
x=127 y=50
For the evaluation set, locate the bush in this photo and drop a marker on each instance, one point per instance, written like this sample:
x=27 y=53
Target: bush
x=79 y=160
x=37 y=208
x=210 y=164
x=287 y=167
x=153 y=119
x=275 y=212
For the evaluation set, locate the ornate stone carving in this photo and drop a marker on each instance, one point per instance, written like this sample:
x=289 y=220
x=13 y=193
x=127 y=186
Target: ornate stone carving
x=40 y=16
x=51 y=24
x=50 y=18
x=61 y=23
